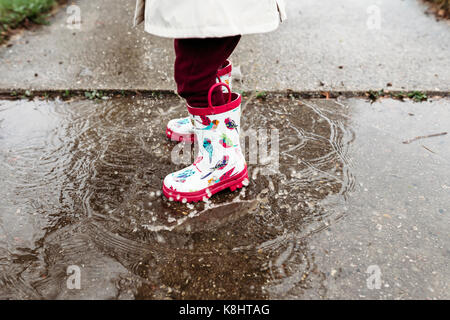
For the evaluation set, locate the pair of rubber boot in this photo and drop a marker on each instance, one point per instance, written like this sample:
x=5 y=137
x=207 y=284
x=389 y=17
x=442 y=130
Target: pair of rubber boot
x=220 y=163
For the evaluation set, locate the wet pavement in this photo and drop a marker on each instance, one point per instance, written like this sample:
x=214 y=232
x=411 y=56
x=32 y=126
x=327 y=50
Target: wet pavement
x=355 y=190
x=325 y=45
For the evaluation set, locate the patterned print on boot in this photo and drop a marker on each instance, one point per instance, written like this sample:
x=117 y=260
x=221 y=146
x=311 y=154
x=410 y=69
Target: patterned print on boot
x=220 y=163
x=182 y=129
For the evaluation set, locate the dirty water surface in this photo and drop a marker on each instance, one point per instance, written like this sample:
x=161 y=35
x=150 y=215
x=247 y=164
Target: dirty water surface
x=81 y=186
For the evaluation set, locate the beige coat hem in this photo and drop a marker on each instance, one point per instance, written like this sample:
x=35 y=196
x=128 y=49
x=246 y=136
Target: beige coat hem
x=218 y=31
x=164 y=20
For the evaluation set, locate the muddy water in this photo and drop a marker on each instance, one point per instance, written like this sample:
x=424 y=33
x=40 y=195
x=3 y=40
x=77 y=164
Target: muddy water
x=80 y=186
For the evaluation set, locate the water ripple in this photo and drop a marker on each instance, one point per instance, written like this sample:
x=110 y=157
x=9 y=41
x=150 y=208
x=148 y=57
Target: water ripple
x=94 y=171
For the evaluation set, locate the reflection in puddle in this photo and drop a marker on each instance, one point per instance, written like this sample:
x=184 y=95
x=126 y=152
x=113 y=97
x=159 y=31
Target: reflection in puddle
x=81 y=186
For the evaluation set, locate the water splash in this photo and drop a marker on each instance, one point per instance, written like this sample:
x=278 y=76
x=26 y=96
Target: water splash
x=82 y=185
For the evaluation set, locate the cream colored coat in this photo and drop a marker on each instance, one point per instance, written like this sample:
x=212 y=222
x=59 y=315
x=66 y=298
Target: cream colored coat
x=208 y=18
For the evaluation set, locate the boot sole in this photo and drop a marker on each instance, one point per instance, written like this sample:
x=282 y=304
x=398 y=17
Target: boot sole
x=178 y=137
x=235 y=182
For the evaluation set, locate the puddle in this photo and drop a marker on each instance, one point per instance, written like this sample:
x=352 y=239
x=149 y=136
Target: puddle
x=81 y=181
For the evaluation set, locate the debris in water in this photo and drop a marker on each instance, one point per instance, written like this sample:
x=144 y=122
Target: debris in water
x=424 y=137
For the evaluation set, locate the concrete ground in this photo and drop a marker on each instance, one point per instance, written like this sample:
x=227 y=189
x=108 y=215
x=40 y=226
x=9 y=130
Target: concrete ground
x=353 y=204
x=325 y=45
x=353 y=193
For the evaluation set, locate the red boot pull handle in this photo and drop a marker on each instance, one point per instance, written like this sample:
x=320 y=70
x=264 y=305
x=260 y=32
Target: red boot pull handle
x=219 y=84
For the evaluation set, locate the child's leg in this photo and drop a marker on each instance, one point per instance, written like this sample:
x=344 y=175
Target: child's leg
x=196 y=65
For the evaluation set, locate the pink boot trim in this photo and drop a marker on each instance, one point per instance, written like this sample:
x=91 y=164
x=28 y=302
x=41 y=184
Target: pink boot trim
x=178 y=137
x=234 y=182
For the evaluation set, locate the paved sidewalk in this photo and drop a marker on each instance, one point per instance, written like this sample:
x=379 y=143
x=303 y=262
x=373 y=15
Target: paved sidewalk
x=325 y=45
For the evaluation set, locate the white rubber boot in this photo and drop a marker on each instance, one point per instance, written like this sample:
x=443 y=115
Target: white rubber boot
x=181 y=129
x=220 y=163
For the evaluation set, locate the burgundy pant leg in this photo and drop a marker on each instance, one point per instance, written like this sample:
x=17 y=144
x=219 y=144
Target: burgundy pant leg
x=196 y=65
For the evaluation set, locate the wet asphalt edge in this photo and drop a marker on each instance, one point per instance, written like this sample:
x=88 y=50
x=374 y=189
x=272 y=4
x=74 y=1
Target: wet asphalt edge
x=16 y=94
